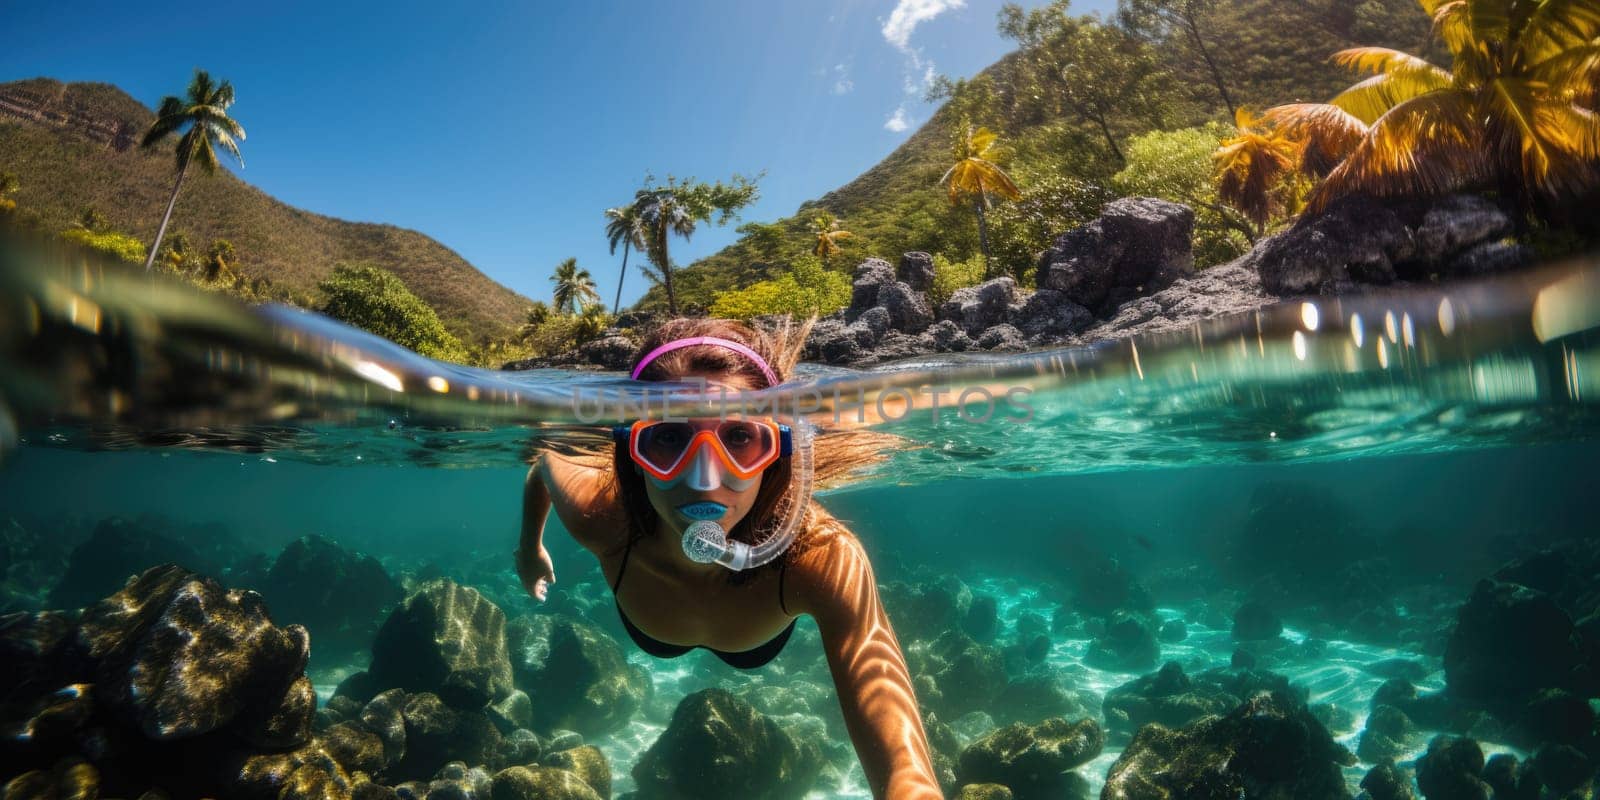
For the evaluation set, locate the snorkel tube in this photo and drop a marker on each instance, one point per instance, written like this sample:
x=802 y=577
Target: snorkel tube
x=705 y=541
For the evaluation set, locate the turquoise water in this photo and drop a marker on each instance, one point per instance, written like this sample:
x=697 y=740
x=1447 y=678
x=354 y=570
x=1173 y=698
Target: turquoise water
x=1356 y=465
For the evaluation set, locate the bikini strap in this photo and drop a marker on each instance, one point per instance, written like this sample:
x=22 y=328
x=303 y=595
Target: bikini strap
x=623 y=568
x=781 y=570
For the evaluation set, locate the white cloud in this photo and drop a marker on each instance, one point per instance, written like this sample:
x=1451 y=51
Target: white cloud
x=842 y=83
x=919 y=71
x=899 y=122
x=908 y=14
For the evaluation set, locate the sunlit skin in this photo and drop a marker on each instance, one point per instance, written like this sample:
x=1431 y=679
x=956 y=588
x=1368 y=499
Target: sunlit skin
x=681 y=602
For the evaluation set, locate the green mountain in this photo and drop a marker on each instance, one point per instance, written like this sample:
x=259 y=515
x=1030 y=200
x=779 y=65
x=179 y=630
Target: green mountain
x=1269 y=51
x=75 y=145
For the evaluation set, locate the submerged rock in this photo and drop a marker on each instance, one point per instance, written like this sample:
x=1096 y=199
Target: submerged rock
x=445 y=639
x=1129 y=644
x=577 y=677
x=720 y=746
x=118 y=549
x=1510 y=641
x=1033 y=760
x=1450 y=769
x=340 y=596
x=1167 y=697
x=1270 y=746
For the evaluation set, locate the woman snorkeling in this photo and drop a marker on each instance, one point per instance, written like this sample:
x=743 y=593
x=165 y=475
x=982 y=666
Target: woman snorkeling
x=711 y=524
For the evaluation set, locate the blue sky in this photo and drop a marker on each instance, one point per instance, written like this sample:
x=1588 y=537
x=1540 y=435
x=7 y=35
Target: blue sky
x=505 y=130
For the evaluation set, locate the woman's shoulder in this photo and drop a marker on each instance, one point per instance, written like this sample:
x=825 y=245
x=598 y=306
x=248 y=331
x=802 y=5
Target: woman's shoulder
x=584 y=491
x=829 y=566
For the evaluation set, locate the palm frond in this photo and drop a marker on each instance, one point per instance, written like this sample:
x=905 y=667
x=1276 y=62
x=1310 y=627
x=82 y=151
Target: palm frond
x=1373 y=97
x=200 y=88
x=169 y=118
x=1423 y=147
x=1378 y=60
x=1558 y=25
x=1327 y=133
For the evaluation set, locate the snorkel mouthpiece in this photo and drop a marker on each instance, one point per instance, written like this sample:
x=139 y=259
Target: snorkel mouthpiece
x=705 y=542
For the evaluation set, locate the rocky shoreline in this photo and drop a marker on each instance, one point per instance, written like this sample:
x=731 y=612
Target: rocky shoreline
x=1131 y=271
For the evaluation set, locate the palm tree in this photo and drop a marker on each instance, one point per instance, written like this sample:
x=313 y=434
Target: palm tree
x=205 y=111
x=574 y=287
x=624 y=227
x=826 y=228
x=976 y=176
x=663 y=212
x=679 y=207
x=1251 y=168
x=1515 y=111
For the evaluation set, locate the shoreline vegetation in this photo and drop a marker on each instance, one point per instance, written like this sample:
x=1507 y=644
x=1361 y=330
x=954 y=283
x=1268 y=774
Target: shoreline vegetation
x=1182 y=101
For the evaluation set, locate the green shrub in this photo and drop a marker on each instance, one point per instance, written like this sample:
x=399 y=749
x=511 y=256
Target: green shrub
x=376 y=301
x=111 y=243
x=948 y=276
x=1177 y=166
x=807 y=288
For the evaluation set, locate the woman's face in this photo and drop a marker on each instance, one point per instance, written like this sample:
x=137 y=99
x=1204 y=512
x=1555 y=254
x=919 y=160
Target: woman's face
x=706 y=490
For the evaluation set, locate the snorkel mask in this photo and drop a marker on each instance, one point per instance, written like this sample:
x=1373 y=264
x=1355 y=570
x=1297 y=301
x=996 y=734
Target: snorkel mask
x=736 y=452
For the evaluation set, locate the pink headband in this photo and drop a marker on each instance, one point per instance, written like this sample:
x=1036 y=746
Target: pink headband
x=772 y=378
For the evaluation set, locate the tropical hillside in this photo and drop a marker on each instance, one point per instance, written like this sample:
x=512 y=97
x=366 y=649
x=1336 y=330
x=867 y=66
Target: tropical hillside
x=1068 y=154
x=72 y=151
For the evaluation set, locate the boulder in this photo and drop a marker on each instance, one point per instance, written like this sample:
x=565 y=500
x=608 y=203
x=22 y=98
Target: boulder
x=1501 y=618
x=1167 y=697
x=1254 y=621
x=1032 y=760
x=945 y=336
x=1129 y=644
x=1136 y=246
x=118 y=549
x=180 y=656
x=1048 y=312
x=976 y=308
x=907 y=308
x=446 y=639
x=916 y=271
x=1270 y=746
x=719 y=746
x=613 y=351
x=1002 y=337
x=339 y=595
x=1450 y=770
x=869 y=276
x=577 y=677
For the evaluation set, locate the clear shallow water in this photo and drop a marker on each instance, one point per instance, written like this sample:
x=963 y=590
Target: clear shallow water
x=1441 y=432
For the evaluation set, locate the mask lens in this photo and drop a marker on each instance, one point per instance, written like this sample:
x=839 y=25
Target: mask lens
x=747 y=444
x=663 y=443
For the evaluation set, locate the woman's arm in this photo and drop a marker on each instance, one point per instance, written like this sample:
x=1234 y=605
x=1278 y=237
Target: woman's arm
x=533 y=561
x=838 y=589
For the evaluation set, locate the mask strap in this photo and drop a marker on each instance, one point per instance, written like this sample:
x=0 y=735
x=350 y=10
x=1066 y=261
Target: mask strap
x=677 y=344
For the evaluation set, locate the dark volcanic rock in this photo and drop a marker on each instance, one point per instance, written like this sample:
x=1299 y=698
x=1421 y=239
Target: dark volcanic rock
x=977 y=308
x=720 y=746
x=1048 y=312
x=916 y=270
x=1136 y=246
x=1387 y=782
x=1450 y=769
x=1365 y=240
x=1254 y=621
x=1214 y=292
x=869 y=276
x=1270 y=746
x=446 y=639
x=181 y=656
x=117 y=549
x=1167 y=697
x=613 y=351
x=1510 y=641
x=1030 y=759
x=907 y=308
x=1128 y=645
x=340 y=596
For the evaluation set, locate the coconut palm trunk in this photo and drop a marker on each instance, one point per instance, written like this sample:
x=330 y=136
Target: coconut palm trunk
x=155 y=246
x=616 y=306
x=983 y=232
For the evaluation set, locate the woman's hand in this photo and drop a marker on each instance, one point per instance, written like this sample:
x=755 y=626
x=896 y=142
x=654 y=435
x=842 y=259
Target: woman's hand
x=536 y=571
